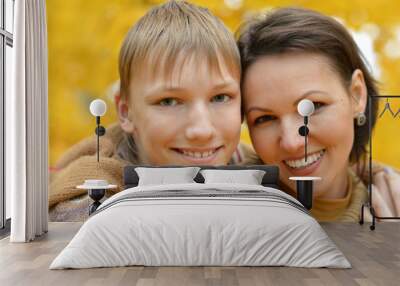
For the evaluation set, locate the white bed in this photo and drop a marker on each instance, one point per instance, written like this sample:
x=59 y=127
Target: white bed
x=201 y=224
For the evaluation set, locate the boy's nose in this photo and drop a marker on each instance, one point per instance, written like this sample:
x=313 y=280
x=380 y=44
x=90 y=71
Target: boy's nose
x=200 y=126
x=290 y=140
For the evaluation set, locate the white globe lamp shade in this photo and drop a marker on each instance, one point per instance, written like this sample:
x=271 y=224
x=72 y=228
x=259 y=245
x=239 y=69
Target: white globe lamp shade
x=305 y=107
x=98 y=107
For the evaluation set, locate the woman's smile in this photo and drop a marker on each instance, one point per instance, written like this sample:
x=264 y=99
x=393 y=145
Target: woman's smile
x=299 y=167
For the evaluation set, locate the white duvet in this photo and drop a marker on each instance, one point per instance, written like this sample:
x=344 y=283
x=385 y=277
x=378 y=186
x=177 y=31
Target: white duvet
x=200 y=224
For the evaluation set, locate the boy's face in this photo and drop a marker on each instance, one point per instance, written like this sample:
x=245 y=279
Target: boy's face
x=190 y=118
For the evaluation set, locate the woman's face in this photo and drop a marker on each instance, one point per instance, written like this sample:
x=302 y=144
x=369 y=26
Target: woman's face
x=273 y=86
x=191 y=118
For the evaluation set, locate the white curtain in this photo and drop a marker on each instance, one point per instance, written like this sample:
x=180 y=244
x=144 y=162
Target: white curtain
x=26 y=124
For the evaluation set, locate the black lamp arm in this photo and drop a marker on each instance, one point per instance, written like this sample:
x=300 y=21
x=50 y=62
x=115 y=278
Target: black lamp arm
x=100 y=131
x=303 y=131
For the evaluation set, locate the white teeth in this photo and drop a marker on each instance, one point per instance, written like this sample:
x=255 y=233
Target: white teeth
x=198 y=154
x=302 y=163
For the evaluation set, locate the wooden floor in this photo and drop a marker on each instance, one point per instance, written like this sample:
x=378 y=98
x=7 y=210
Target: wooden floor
x=374 y=255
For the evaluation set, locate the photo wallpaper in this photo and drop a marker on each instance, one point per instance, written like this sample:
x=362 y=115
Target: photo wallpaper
x=85 y=37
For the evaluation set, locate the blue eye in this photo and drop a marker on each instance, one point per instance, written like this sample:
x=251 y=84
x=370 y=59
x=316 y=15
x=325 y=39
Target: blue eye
x=168 y=102
x=263 y=119
x=221 y=98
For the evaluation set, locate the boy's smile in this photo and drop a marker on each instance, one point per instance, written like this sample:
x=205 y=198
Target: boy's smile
x=198 y=155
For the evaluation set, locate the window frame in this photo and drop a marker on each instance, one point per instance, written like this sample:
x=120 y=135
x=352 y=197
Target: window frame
x=6 y=39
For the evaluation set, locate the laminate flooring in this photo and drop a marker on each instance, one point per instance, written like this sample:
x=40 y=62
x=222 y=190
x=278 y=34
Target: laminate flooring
x=374 y=255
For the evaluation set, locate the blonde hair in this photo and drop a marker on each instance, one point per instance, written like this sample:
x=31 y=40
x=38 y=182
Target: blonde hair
x=166 y=31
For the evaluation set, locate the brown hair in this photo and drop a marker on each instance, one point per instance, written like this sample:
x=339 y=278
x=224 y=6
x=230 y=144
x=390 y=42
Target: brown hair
x=300 y=30
x=160 y=36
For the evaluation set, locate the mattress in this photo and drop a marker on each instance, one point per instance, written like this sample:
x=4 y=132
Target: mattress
x=201 y=225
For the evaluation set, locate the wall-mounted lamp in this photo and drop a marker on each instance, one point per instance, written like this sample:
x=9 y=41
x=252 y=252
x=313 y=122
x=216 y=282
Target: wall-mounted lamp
x=97 y=188
x=304 y=185
x=98 y=108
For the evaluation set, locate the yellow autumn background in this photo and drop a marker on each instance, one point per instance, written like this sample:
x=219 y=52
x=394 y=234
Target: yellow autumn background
x=84 y=38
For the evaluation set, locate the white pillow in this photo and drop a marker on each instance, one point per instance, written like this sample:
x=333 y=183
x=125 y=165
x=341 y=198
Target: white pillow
x=248 y=177
x=162 y=176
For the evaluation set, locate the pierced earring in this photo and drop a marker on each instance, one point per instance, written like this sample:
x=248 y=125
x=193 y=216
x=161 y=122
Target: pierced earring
x=361 y=119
